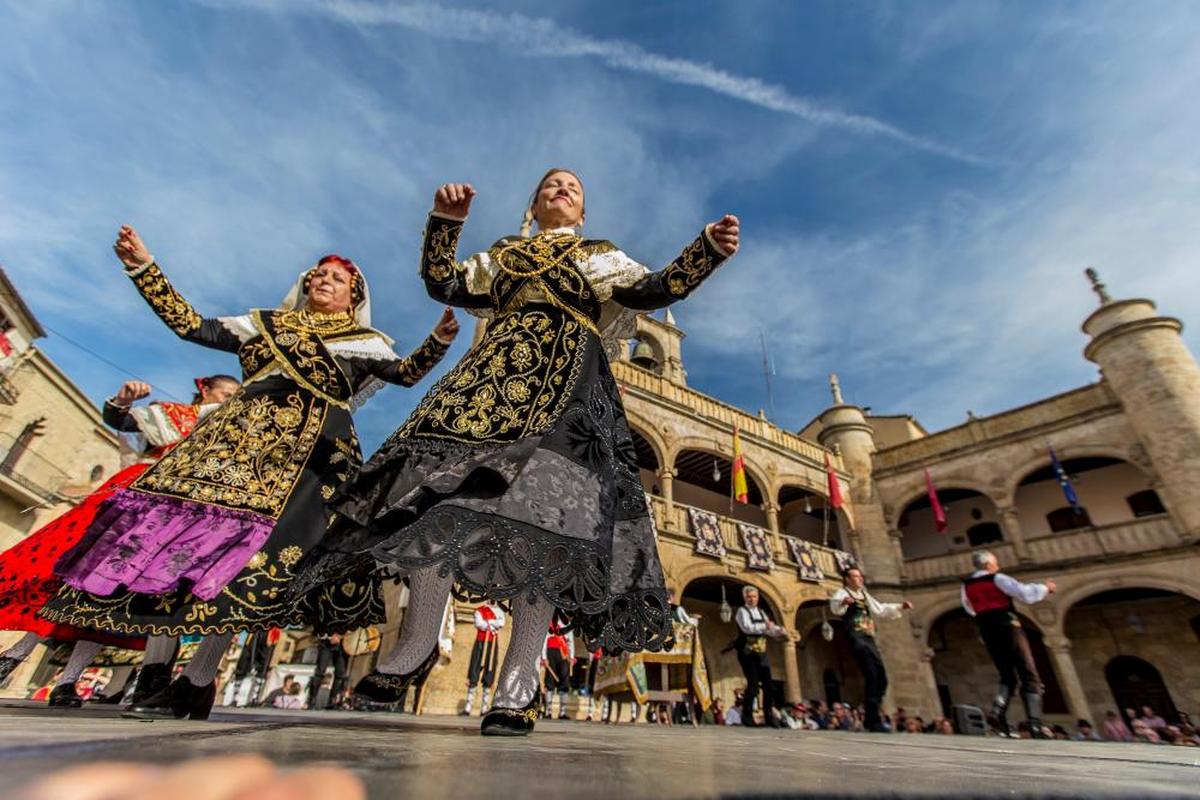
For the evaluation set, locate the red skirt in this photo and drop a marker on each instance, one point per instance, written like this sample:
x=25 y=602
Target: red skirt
x=27 y=579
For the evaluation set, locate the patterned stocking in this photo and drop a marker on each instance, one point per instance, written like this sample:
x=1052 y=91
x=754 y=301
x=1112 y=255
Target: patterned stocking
x=21 y=650
x=159 y=650
x=519 y=675
x=202 y=669
x=81 y=657
x=427 y=594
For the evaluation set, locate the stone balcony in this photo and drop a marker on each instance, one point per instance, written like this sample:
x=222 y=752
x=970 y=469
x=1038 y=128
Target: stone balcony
x=674 y=530
x=1057 y=550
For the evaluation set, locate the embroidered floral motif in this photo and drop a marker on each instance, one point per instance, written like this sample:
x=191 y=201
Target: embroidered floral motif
x=490 y=397
x=289 y=556
x=441 y=243
x=694 y=264
x=257 y=560
x=246 y=455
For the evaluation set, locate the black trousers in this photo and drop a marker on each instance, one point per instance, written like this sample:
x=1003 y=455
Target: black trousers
x=1009 y=648
x=870 y=663
x=558 y=672
x=328 y=655
x=483 y=663
x=757 y=670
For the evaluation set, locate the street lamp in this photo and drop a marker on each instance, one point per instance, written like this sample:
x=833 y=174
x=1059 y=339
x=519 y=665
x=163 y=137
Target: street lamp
x=726 y=609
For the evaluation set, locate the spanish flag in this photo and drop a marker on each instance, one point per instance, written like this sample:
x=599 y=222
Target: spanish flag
x=739 y=490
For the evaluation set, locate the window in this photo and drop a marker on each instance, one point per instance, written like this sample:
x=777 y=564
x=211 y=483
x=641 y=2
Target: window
x=1145 y=503
x=984 y=533
x=1067 y=519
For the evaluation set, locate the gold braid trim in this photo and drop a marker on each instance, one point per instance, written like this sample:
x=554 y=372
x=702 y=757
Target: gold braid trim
x=697 y=261
x=439 y=249
x=293 y=334
x=166 y=302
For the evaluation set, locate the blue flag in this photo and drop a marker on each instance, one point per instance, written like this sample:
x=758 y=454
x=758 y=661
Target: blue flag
x=1065 y=482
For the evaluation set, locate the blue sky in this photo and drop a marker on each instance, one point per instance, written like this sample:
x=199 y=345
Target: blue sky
x=920 y=184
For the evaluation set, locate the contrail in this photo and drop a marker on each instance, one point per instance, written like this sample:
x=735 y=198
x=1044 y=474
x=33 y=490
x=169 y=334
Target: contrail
x=541 y=37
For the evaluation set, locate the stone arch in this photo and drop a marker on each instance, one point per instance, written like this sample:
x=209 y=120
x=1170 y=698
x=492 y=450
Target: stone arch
x=1067 y=598
x=768 y=591
x=711 y=445
x=922 y=540
x=645 y=428
x=916 y=493
x=1067 y=453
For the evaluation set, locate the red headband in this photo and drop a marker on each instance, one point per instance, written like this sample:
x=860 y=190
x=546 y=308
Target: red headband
x=336 y=259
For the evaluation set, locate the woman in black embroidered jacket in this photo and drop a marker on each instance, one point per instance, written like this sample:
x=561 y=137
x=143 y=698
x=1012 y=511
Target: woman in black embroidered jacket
x=207 y=540
x=515 y=478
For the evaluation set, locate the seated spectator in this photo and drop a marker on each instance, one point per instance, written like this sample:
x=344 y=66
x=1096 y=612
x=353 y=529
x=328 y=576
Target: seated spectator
x=1084 y=732
x=946 y=727
x=269 y=700
x=1059 y=732
x=1151 y=719
x=899 y=720
x=717 y=712
x=734 y=715
x=1115 y=729
x=290 y=698
x=819 y=713
x=912 y=725
x=1144 y=733
x=841 y=720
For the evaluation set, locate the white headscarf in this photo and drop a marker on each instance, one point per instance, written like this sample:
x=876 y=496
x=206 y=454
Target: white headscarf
x=297 y=298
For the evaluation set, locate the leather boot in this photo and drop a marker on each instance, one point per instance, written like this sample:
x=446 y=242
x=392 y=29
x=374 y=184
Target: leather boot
x=998 y=718
x=1033 y=713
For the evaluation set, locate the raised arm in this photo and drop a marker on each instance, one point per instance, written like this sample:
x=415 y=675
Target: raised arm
x=716 y=244
x=446 y=280
x=407 y=371
x=167 y=303
x=117 y=408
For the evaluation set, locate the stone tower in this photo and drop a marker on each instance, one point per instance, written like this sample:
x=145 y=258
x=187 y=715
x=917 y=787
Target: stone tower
x=1143 y=358
x=844 y=428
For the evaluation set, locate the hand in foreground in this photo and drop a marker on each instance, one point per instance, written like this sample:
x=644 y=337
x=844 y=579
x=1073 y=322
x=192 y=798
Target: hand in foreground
x=725 y=233
x=1051 y=587
x=222 y=778
x=454 y=199
x=906 y=605
x=131 y=391
x=847 y=600
x=130 y=248
x=447 y=327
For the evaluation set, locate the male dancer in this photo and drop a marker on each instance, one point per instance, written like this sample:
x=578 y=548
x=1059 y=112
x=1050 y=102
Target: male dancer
x=988 y=595
x=860 y=610
x=489 y=619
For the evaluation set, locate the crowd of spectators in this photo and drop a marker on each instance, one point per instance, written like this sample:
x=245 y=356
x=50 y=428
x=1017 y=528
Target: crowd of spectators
x=816 y=715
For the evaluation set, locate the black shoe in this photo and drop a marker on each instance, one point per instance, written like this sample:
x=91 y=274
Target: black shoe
x=563 y=715
x=151 y=679
x=7 y=665
x=63 y=696
x=510 y=721
x=383 y=689
x=179 y=700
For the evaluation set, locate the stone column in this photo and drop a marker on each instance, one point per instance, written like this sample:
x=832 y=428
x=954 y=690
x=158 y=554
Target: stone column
x=1011 y=524
x=791 y=671
x=772 y=512
x=1059 y=648
x=897 y=537
x=666 y=484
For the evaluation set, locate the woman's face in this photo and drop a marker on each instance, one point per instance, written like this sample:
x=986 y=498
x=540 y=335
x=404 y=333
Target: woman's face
x=559 y=201
x=218 y=392
x=331 y=288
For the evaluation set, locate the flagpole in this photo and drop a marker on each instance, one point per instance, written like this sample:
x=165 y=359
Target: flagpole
x=767 y=374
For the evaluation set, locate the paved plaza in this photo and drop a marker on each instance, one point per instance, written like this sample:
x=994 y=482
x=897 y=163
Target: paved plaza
x=433 y=756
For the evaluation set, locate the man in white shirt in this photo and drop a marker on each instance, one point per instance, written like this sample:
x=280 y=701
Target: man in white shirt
x=859 y=611
x=988 y=595
x=754 y=628
x=489 y=619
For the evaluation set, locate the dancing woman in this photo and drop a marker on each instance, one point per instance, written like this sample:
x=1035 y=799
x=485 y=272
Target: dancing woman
x=27 y=578
x=207 y=540
x=516 y=477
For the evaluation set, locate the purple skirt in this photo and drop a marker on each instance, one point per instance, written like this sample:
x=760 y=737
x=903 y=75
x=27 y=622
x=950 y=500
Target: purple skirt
x=151 y=544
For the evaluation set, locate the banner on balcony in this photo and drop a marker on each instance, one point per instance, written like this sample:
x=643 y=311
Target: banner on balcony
x=806 y=561
x=707 y=531
x=758 y=547
x=650 y=509
x=844 y=560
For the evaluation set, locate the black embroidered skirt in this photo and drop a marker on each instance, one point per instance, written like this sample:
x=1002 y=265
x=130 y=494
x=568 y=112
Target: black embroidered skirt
x=518 y=475
x=267 y=418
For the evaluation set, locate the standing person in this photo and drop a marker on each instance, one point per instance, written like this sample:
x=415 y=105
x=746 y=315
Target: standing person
x=207 y=540
x=558 y=654
x=489 y=619
x=988 y=595
x=329 y=654
x=27 y=580
x=754 y=628
x=859 y=611
x=516 y=477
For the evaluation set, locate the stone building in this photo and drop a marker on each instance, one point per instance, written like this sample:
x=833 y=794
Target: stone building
x=54 y=446
x=1123 y=629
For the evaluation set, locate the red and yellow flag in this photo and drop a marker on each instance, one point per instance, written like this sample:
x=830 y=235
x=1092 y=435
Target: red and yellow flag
x=740 y=492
